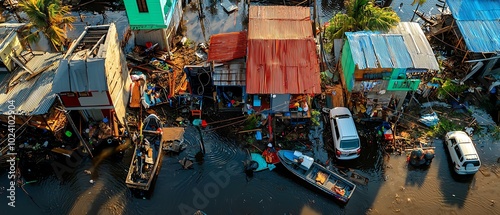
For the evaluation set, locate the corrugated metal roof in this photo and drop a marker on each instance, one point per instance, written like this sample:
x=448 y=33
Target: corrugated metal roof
x=417 y=45
x=374 y=50
x=33 y=97
x=279 y=29
x=227 y=46
x=282 y=57
x=280 y=13
x=478 y=21
x=230 y=74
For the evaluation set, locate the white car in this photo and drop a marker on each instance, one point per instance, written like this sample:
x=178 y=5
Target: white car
x=462 y=152
x=345 y=136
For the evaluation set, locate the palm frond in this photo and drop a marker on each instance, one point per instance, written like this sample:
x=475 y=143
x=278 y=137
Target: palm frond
x=49 y=17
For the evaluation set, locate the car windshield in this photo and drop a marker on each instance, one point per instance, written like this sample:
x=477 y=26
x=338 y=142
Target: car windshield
x=349 y=144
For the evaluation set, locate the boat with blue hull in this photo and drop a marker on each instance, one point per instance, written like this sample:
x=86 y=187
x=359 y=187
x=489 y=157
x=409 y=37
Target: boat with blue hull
x=327 y=181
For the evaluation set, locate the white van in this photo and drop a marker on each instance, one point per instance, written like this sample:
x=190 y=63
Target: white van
x=345 y=136
x=462 y=152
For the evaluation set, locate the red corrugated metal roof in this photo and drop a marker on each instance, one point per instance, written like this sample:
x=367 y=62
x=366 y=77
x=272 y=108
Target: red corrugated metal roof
x=280 y=13
x=227 y=46
x=282 y=56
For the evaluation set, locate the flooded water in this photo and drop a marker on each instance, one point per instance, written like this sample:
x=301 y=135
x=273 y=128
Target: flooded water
x=217 y=185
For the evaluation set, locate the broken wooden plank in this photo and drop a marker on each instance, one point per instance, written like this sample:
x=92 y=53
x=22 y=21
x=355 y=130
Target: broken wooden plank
x=251 y=130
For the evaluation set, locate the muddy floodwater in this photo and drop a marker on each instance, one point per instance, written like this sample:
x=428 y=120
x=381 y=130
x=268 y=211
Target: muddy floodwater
x=217 y=184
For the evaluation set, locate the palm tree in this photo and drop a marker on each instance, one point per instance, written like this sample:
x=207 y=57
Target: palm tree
x=360 y=15
x=48 y=17
x=420 y=2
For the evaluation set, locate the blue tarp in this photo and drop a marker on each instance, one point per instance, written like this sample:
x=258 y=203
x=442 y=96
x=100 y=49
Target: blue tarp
x=429 y=119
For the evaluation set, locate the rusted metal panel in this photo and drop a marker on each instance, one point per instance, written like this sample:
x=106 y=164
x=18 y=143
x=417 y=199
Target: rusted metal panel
x=227 y=46
x=282 y=56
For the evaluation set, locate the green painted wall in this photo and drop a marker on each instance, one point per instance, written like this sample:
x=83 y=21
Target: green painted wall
x=348 y=66
x=153 y=19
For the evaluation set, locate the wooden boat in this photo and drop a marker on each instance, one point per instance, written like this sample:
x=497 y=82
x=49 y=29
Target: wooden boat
x=147 y=156
x=327 y=181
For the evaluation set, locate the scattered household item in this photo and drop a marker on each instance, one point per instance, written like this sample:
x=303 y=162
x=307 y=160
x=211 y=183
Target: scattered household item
x=430 y=119
x=173 y=139
x=228 y=6
x=186 y=163
x=421 y=157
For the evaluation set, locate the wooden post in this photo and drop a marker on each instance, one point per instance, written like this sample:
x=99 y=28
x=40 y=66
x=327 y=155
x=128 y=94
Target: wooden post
x=314 y=19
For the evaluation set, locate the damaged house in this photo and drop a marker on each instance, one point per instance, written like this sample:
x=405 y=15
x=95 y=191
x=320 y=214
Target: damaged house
x=154 y=21
x=93 y=78
x=227 y=56
x=26 y=85
x=379 y=69
x=282 y=69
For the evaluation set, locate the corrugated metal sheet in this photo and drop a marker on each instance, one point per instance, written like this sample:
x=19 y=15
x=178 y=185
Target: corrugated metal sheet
x=279 y=29
x=478 y=21
x=230 y=74
x=33 y=97
x=373 y=50
x=282 y=57
x=282 y=67
x=227 y=46
x=417 y=45
x=280 y=13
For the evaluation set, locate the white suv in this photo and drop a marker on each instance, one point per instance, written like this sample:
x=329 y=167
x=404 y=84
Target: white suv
x=345 y=136
x=462 y=152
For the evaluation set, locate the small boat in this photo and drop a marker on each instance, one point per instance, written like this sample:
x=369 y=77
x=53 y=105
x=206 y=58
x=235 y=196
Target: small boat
x=146 y=160
x=327 y=181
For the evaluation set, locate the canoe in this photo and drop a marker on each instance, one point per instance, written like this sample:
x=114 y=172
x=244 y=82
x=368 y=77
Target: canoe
x=145 y=163
x=325 y=180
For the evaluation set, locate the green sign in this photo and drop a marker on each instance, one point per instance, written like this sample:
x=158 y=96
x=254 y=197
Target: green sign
x=147 y=27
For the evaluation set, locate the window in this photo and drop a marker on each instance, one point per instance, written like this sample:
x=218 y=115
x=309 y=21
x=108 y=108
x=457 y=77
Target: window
x=337 y=133
x=143 y=7
x=459 y=153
